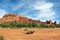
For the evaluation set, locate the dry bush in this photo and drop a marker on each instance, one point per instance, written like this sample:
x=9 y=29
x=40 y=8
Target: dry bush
x=1 y=38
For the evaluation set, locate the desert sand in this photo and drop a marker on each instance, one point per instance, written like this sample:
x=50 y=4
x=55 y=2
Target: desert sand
x=39 y=34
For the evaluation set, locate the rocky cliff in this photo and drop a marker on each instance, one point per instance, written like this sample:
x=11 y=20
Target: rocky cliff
x=16 y=18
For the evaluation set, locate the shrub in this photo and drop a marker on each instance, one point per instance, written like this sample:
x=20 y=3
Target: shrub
x=30 y=25
x=34 y=25
x=19 y=25
x=44 y=25
x=58 y=25
x=3 y=25
x=1 y=38
x=12 y=24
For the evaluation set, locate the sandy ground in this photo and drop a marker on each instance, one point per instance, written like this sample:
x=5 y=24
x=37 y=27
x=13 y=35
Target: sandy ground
x=39 y=34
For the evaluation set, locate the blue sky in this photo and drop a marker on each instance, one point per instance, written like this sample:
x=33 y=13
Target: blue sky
x=35 y=9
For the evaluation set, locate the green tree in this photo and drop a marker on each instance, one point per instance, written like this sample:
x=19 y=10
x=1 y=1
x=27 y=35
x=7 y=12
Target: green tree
x=34 y=25
x=20 y=25
x=30 y=25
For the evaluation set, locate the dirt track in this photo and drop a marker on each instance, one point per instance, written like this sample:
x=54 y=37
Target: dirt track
x=39 y=34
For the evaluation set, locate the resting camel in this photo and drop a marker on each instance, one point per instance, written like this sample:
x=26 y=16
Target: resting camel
x=27 y=31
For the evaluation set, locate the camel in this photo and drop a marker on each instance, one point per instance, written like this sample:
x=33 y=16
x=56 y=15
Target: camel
x=51 y=24
x=27 y=31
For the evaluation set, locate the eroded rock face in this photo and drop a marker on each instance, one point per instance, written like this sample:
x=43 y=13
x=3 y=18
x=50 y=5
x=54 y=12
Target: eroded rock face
x=17 y=18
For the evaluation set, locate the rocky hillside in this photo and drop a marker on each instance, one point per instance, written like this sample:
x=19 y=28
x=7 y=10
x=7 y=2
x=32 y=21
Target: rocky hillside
x=16 y=18
x=22 y=19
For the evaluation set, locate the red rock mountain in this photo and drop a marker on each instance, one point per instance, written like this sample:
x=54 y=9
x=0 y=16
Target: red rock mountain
x=16 y=18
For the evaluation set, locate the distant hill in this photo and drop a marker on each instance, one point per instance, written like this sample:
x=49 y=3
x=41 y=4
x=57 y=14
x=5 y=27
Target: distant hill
x=19 y=18
x=16 y=18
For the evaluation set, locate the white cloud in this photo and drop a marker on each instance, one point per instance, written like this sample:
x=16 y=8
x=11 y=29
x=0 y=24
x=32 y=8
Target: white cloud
x=46 y=16
x=43 y=6
x=17 y=7
x=46 y=11
x=2 y=13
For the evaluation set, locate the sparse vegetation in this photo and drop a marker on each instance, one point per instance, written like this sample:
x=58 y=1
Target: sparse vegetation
x=1 y=38
x=28 y=25
x=44 y=26
x=58 y=25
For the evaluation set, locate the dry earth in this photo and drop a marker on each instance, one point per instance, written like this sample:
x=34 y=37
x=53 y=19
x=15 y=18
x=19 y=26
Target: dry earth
x=39 y=34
